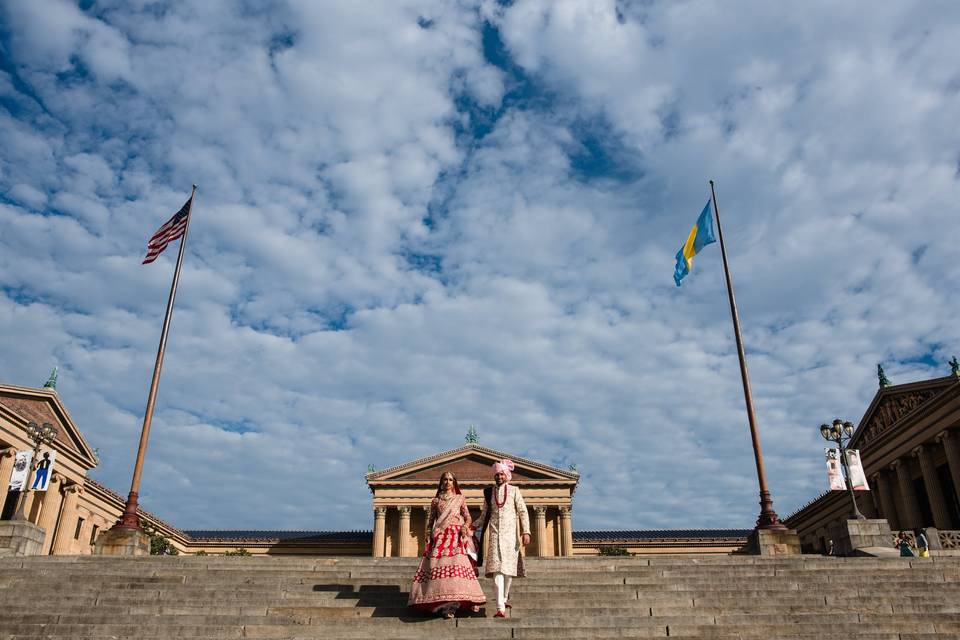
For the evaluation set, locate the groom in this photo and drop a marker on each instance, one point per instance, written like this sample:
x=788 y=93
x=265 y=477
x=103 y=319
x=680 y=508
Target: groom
x=503 y=507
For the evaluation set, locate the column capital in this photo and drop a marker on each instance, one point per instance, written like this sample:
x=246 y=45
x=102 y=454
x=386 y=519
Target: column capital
x=73 y=488
x=945 y=435
x=919 y=451
x=425 y=507
x=896 y=464
x=565 y=512
x=380 y=512
x=9 y=452
x=404 y=511
x=540 y=511
x=56 y=477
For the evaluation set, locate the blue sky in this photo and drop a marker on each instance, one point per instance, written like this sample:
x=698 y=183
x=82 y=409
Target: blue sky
x=418 y=216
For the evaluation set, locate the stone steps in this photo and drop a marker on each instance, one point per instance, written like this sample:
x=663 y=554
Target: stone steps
x=516 y=628
x=194 y=598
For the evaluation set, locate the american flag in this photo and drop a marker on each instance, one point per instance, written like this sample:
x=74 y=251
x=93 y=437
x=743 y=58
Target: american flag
x=167 y=233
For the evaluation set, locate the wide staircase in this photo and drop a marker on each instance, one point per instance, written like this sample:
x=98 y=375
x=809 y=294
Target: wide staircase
x=189 y=598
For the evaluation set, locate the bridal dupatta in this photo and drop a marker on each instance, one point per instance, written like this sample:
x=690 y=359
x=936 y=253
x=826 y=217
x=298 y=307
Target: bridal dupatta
x=446 y=578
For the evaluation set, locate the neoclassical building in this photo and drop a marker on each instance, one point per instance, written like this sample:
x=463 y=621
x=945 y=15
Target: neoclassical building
x=75 y=508
x=402 y=495
x=909 y=442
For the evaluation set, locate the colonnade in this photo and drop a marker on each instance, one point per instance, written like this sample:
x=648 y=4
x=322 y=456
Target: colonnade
x=398 y=540
x=897 y=500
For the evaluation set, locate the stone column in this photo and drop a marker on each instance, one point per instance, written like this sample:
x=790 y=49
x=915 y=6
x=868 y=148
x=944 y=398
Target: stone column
x=909 y=514
x=426 y=532
x=29 y=498
x=951 y=446
x=941 y=517
x=404 y=542
x=49 y=511
x=541 y=517
x=875 y=496
x=566 y=531
x=887 y=503
x=63 y=545
x=379 y=531
x=6 y=469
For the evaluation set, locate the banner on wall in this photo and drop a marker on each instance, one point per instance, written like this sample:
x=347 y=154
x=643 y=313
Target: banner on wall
x=834 y=473
x=858 y=479
x=44 y=470
x=21 y=469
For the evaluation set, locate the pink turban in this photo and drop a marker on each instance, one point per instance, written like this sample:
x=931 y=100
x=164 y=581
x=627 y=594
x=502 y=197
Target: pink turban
x=505 y=467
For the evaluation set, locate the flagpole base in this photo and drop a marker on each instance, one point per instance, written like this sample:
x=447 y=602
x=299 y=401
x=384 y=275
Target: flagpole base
x=772 y=542
x=768 y=519
x=122 y=542
x=129 y=521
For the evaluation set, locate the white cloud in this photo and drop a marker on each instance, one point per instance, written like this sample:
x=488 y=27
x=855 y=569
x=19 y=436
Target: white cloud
x=395 y=239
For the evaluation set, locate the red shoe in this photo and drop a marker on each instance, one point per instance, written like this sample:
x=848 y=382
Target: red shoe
x=508 y=606
x=499 y=614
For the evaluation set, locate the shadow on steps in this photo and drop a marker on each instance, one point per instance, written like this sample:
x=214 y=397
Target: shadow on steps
x=387 y=601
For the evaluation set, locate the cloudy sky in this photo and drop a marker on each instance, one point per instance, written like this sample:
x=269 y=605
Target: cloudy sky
x=417 y=216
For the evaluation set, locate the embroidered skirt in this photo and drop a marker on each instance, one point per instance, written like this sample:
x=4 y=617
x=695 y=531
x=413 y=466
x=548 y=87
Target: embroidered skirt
x=447 y=574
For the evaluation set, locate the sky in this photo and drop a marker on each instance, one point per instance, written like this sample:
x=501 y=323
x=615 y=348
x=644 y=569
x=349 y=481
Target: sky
x=417 y=216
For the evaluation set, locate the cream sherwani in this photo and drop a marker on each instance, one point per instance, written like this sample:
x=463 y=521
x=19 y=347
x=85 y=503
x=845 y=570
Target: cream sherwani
x=503 y=551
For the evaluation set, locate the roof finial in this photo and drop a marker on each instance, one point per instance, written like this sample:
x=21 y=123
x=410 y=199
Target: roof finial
x=882 y=377
x=955 y=367
x=472 y=437
x=371 y=468
x=51 y=382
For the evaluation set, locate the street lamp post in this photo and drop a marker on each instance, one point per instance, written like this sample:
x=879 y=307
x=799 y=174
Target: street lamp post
x=841 y=432
x=43 y=434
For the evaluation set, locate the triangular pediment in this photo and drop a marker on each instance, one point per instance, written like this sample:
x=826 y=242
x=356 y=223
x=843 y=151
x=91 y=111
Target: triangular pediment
x=470 y=463
x=22 y=405
x=895 y=405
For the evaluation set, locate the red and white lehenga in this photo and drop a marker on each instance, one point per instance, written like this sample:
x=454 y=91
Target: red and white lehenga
x=446 y=579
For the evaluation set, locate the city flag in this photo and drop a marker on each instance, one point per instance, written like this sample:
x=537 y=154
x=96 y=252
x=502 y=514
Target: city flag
x=700 y=236
x=169 y=231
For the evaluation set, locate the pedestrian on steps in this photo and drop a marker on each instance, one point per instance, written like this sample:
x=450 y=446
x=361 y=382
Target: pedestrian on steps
x=923 y=547
x=903 y=543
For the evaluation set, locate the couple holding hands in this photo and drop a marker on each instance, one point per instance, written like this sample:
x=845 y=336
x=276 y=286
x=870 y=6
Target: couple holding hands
x=446 y=579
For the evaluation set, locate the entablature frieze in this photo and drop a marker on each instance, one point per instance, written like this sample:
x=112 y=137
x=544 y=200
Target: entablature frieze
x=895 y=454
x=471 y=502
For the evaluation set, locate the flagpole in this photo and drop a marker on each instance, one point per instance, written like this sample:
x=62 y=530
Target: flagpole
x=768 y=517
x=130 y=520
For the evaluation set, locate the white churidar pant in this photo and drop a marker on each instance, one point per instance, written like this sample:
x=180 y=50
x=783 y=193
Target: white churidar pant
x=501 y=587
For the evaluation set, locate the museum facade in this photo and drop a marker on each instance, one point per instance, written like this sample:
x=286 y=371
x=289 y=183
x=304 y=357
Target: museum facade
x=909 y=442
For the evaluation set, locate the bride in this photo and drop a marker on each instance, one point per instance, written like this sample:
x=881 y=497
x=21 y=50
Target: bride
x=446 y=579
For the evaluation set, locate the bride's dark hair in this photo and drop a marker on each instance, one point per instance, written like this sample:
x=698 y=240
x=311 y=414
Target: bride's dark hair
x=456 y=485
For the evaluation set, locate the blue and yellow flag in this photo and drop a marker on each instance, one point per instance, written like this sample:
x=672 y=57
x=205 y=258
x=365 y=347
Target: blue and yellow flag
x=700 y=236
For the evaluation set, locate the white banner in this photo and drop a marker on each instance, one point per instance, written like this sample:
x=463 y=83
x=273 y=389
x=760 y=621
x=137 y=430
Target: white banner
x=44 y=470
x=834 y=473
x=858 y=479
x=21 y=469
